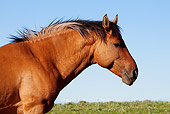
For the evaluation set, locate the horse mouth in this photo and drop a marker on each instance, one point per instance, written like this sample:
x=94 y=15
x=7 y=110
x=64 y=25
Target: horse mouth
x=127 y=80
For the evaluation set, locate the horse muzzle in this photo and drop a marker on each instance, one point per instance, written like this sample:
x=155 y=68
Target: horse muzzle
x=130 y=78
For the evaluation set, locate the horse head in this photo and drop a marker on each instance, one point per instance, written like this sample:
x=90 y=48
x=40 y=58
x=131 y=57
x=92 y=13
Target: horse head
x=113 y=54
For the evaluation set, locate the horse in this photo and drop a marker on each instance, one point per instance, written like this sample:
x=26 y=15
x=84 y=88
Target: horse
x=38 y=65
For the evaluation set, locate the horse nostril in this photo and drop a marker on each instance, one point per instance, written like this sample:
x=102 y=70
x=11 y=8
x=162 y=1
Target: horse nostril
x=135 y=73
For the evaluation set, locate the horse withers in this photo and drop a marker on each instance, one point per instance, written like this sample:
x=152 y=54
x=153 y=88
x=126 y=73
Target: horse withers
x=36 y=67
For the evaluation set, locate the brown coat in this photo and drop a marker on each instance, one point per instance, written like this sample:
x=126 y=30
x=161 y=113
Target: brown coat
x=35 y=70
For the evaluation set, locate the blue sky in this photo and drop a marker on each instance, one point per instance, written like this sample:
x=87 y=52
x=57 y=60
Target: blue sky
x=145 y=29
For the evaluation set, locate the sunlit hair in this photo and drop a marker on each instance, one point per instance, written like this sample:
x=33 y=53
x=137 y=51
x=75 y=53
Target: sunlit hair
x=83 y=27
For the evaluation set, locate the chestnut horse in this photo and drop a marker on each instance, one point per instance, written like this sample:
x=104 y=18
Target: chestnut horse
x=36 y=67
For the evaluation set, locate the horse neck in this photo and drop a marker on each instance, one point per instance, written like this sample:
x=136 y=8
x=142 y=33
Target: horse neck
x=67 y=52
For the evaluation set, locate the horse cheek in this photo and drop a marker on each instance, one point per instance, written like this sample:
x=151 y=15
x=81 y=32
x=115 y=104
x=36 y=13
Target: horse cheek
x=104 y=57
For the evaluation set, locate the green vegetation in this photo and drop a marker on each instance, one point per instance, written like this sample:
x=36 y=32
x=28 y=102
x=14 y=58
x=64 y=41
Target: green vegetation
x=138 y=107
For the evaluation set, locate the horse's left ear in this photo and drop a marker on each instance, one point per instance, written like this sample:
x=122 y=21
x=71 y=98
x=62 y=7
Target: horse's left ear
x=115 y=20
x=105 y=22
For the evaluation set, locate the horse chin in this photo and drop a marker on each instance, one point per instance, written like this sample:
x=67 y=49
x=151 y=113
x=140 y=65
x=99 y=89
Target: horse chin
x=127 y=80
x=125 y=77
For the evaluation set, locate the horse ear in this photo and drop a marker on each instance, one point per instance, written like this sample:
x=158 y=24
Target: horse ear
x=105 y=22
x=116 y=19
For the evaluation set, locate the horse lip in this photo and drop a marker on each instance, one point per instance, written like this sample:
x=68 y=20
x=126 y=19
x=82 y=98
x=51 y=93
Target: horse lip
x=126 y=79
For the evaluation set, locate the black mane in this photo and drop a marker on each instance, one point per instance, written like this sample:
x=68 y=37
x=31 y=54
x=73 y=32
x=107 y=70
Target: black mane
x=81 y=26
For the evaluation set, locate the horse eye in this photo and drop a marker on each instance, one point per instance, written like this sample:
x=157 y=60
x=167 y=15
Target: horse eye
x=116 y=44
